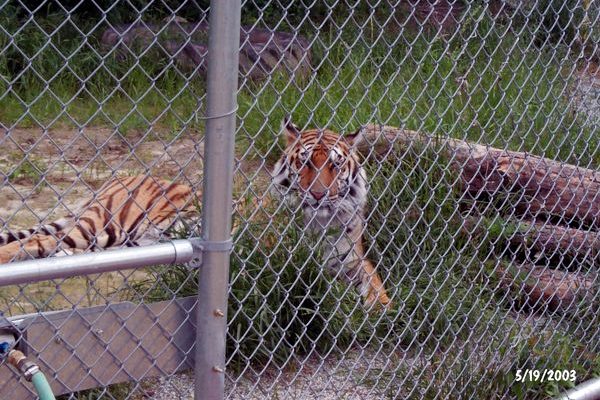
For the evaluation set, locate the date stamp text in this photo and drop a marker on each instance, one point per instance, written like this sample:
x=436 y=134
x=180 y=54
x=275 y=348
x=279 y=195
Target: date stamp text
x=545 y=375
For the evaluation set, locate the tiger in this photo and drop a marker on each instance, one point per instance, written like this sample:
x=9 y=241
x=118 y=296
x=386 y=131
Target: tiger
x=126 y=211
x=320 y=172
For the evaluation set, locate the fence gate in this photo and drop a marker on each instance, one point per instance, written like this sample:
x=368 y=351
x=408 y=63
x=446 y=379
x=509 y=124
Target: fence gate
x=345 y=199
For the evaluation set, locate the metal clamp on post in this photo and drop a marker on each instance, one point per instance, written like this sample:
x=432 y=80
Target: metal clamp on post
x=222 y=246
x=228 y=113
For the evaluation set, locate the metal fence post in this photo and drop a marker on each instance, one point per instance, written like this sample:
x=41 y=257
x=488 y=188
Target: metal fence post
x=223 y=48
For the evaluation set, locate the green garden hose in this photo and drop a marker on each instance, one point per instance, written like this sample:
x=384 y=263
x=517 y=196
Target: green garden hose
x=32 y=373
x=42 y=387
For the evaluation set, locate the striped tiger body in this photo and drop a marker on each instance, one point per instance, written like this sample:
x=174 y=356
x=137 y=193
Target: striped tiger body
x=129 y=211
x=320 y=172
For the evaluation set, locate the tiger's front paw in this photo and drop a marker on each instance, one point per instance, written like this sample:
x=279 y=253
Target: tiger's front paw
x=6 y=258
x=376 y=299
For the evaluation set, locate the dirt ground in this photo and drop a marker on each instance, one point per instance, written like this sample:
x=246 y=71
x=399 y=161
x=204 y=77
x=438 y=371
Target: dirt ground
x=68 y=164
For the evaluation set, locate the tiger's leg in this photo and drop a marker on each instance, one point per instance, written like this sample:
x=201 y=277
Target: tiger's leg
x=59 y=243
x=36 y=246
x=372 y=288
x=348 y=253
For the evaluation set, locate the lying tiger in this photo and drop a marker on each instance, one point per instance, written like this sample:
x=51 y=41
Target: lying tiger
x=318 y=167
x=320 y=172
x=131 y=211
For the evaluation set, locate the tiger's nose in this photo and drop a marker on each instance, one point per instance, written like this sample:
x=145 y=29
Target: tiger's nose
x=317 y=195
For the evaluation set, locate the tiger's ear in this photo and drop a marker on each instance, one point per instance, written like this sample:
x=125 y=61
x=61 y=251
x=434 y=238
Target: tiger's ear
x=356 y=137
x=291 y=131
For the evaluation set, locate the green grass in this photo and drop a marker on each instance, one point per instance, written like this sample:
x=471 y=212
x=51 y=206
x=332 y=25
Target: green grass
x=24 y=168
x=481 y=90
x=478 y=86
x=59 y=77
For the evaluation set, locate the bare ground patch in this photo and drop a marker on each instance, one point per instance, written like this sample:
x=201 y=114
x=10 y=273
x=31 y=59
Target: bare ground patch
x=44 y=168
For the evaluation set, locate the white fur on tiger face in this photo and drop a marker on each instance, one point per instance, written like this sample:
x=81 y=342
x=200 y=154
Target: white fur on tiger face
x=321 y=172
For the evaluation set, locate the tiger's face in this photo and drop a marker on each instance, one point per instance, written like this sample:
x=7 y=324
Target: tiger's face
x=321 y=169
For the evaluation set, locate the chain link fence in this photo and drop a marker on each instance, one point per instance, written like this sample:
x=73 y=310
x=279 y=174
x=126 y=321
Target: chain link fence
x=445 y=245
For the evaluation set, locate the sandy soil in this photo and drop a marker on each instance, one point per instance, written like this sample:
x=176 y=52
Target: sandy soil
x=74 y=163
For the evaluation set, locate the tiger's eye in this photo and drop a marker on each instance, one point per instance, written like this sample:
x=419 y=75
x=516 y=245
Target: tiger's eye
x=303 y=155
x=336 y=161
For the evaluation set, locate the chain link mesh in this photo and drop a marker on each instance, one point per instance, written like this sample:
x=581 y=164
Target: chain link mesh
x=480 y=150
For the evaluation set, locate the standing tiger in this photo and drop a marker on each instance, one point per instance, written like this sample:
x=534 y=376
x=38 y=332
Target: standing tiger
x=320 y=171
x=130 y=211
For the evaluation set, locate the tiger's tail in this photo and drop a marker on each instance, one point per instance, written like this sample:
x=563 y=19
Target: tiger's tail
x=53 y=229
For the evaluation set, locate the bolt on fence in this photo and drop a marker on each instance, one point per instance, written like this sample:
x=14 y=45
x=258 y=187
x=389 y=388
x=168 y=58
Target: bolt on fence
x=415 y=207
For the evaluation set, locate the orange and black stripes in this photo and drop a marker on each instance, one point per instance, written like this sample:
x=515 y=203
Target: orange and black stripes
x=125 y=211
x=321 y=170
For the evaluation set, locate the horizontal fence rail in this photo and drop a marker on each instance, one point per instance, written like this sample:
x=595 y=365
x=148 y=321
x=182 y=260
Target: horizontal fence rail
x=588 y=390
x=175 y=252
